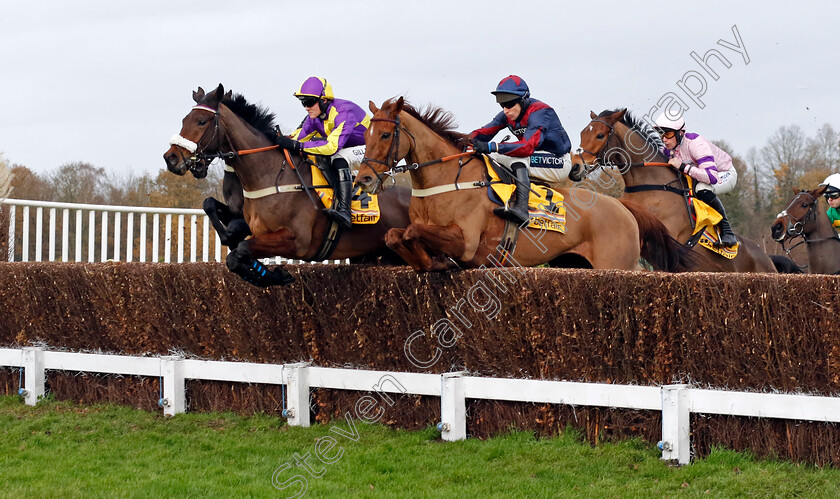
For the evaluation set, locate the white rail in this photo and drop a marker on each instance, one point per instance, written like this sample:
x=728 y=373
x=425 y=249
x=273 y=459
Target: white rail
x=78 y=232
x=675 y=401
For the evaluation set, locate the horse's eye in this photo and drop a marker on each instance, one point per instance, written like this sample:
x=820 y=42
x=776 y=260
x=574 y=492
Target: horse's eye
x=202 y=122
x=804 y=205
x=600 y=136
x=386 y=136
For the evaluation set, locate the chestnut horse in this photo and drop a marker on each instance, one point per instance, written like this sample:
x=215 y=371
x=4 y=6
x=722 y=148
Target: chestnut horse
x=614 y=138
x=452 y=220
x=279 y=206
x=804 y=219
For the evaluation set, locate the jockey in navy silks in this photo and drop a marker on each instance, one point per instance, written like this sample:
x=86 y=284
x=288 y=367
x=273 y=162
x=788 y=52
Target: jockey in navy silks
x=541 y=149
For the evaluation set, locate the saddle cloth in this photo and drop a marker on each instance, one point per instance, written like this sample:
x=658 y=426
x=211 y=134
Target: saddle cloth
x=706 y=220
x=364 y=207
x=545 y=209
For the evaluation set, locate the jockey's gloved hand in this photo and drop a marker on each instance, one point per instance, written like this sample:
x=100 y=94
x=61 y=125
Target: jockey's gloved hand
x=481 y=147
x=287 y=143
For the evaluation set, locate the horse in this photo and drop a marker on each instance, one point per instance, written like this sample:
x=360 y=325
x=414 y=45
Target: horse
x=452 y=220
x=615 y=138
x=279 y=206
x=803 y=219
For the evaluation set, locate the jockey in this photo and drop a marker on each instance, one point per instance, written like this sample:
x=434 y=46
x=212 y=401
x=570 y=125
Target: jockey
x=334 y=128
x=832 y=195
x=703 y=161
x=541 y=149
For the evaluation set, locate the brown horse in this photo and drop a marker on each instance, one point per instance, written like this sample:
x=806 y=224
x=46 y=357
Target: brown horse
x=279 y=205
x=452 y=216
x=803 y=219
x=616 y=139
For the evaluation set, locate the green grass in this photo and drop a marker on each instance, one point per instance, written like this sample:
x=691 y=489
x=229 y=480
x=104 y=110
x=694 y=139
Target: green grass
x=58 y=449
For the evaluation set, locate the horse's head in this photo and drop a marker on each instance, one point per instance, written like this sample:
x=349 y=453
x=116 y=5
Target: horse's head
x=800 y=216
x=595 y=139
x=383 y=147
x=200 y=138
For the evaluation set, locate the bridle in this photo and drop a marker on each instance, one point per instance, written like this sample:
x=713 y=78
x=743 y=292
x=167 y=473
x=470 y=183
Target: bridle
x=598 y=154
x=392 y=158
x=795 y=227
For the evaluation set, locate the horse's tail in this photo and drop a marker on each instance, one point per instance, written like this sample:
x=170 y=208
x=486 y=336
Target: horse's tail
x=661 y=250
x=785 y=265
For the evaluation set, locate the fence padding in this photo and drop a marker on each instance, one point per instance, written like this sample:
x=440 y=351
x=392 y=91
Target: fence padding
x=743 y=332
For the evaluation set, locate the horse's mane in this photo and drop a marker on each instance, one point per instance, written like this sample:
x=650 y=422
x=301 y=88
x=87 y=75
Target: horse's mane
x=255 y=115
x=439 y=120
x=639 y=125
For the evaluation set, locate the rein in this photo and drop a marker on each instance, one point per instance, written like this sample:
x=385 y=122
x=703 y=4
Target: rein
x=391 y=160
x=796 y=229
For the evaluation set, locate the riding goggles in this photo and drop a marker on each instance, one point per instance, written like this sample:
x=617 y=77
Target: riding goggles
x=308 y=101
x=509 y=104
x=832 y=195
x=667 y=134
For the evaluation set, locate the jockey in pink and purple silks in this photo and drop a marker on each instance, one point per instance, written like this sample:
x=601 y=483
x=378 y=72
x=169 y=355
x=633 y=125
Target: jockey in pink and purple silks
x=703 y=161
x=335 y=128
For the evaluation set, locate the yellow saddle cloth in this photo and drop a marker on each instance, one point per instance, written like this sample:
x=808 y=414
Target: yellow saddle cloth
x=545 y=208
x=364 y=207
x=707 y=220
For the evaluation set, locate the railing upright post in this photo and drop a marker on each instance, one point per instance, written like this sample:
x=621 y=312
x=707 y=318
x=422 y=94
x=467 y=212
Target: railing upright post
x=676 y=443
x=453 y=407
x=174 y=392
x=34 y=375
x=297 y=394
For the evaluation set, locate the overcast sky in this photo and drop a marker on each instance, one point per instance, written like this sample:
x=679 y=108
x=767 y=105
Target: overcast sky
x=108 y=82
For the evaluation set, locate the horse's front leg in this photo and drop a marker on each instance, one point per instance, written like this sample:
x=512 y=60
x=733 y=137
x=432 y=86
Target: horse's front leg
x=394 y=241
x=447 y=240
x=244 y=262
x=231 y=228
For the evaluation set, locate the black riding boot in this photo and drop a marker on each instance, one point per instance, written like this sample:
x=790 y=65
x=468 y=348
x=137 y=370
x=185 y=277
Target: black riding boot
x=342 y=193
x=727 y=237
x=517 y=211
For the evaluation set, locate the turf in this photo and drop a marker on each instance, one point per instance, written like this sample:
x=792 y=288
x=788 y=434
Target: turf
x=58 y=449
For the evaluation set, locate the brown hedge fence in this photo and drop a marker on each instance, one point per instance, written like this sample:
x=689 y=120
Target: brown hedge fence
x=741 y=332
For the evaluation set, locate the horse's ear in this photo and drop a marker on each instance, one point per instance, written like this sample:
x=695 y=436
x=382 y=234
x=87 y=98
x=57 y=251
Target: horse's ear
x=592 y=115
x=796 y=190
x=619 y=115
x=229 y=95
x=820 y=190
x=373 y=107
x=398 y=108
x=198 y=95
x=220 y=90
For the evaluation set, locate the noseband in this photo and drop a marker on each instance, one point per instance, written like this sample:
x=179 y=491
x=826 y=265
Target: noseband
x=199 y=152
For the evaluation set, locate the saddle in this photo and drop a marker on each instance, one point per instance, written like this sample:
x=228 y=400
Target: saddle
x=545 y=205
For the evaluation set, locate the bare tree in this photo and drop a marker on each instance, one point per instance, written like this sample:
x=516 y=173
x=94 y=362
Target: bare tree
x=78 y=182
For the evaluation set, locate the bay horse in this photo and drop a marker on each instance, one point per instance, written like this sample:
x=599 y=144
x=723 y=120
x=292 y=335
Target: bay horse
x=283 y=214
x=615 y=138
x=802 y=218
x=452 y=220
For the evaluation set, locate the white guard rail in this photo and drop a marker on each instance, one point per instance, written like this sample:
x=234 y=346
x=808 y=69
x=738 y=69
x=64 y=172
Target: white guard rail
x=675 y=401
x=92 y=232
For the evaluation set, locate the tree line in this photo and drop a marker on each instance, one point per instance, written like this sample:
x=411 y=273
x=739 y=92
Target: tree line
x=767 y=175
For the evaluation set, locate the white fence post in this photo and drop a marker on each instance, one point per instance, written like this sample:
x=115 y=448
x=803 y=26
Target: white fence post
x=297 y=394
x=33 y=364
x=676 y=442
x=453 y=407
x=174 y=397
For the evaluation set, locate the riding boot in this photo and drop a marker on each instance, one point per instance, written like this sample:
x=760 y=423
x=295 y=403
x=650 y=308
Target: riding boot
x=727 y=237
x=342 y=193
x=517 y=210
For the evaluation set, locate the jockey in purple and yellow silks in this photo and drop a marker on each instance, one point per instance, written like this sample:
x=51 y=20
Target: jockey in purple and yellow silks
x=335 y=128
x=540 y=151
x=703 y=161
